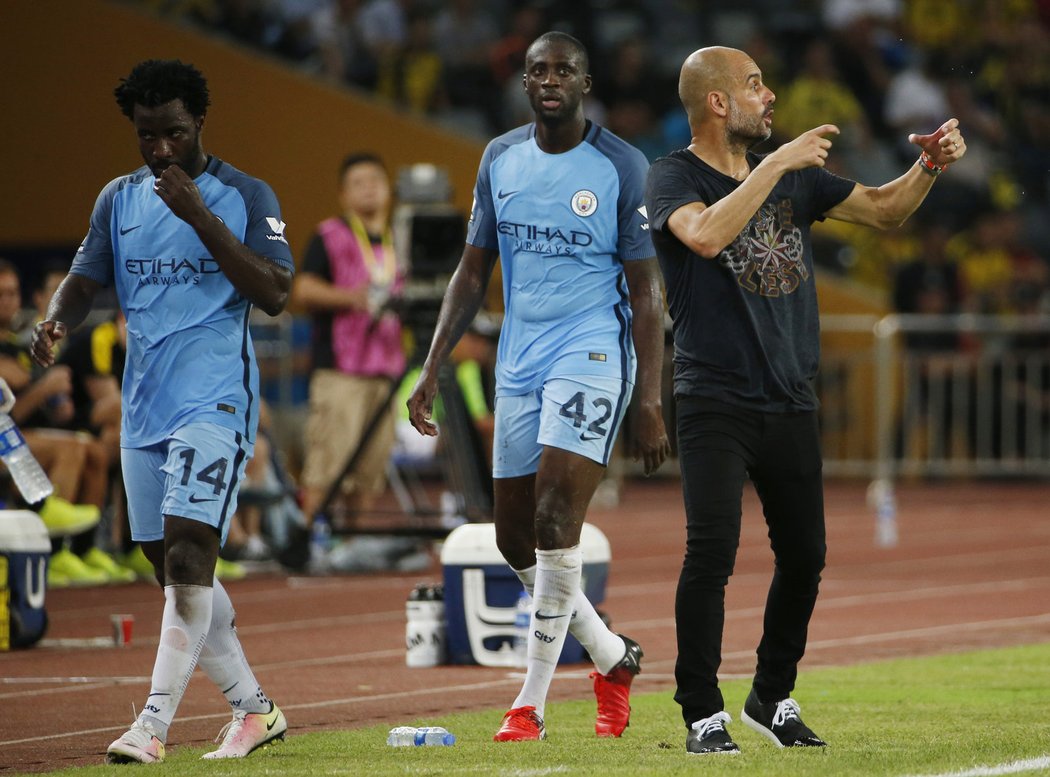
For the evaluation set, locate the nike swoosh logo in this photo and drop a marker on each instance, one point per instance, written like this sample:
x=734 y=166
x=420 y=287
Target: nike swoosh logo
x=587 y=438
x=124 y=231
x=272 y=724
x=541 y=617
x=194 y=500
x=501 y=194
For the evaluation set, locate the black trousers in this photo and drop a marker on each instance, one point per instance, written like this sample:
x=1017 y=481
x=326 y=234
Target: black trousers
x=719 y=446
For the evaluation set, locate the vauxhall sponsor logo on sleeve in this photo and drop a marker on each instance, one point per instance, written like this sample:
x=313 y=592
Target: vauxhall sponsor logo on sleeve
x=277 y=230
x=539 y=239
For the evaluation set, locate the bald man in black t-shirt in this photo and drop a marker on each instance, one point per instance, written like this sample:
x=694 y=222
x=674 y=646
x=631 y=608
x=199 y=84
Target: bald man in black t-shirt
x=731 y=231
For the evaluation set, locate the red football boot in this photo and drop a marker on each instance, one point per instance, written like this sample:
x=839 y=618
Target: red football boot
x=613 y=692
x=520 y=724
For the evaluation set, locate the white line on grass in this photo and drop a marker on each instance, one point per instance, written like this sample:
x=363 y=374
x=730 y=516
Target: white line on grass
x=862 y=639
x=1014 y=767
x=429 y=691
x=872 y=639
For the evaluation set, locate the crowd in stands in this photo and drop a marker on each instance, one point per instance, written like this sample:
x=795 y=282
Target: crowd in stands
x=880 y=69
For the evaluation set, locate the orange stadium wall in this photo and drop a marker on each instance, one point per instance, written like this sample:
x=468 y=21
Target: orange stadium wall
x=64 y=137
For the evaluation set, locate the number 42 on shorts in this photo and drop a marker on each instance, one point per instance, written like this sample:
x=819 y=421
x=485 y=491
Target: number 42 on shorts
x=575 y=409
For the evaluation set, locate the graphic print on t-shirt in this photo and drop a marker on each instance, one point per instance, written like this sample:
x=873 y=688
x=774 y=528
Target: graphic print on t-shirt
x=766 y=257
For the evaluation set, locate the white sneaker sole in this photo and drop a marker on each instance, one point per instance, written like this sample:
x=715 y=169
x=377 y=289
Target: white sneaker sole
x=756 y=726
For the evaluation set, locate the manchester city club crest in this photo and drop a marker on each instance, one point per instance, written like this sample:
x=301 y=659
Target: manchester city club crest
x=584 y=203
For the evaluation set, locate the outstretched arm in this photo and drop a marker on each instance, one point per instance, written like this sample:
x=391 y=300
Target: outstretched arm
x=649 y=442
x=461 y=303
x=262 y=282
x=891 y=204
x=707 y=229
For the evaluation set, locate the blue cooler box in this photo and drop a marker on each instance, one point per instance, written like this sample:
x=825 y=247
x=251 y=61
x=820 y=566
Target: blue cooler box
x=25 y=550
x=481 y=592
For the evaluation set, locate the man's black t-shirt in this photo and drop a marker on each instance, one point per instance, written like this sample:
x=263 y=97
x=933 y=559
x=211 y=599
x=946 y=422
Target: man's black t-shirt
x=746 y=328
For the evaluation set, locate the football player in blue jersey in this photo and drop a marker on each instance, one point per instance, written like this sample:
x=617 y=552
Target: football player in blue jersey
x=732 y=233
x=191 y=244
x=559 y=201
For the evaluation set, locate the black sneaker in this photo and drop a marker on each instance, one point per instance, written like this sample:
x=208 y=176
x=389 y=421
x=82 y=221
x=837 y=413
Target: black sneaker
x=780 y=722
x=709 y=736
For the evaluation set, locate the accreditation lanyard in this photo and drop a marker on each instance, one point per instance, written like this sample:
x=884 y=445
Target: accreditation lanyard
x=380 y=272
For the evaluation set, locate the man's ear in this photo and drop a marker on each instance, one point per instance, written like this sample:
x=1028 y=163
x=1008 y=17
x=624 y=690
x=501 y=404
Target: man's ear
x=587 y=82
x=718 y=102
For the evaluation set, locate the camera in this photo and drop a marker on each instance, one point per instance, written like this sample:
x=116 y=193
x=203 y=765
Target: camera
x=428 y=232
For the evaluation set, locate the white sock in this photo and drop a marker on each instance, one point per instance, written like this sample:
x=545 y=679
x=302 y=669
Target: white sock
x=183 y=629
x=223 y=660
x=557 y=584
x=605 y=648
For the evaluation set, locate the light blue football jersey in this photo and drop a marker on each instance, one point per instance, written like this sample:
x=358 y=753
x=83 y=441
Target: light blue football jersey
x=563 y=225
x=189 y=355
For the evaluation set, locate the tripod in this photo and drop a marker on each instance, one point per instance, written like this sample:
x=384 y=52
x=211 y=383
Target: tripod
x=461 y=455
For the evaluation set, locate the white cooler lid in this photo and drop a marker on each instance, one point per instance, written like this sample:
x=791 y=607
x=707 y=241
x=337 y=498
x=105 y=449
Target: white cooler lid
x=22 y=531
x=475 y=543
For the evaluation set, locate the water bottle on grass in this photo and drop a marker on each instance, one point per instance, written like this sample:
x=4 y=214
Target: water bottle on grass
x=410 y=736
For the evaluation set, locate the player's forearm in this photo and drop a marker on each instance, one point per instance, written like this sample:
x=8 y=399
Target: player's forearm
x=460 y=305
x=72 y=300
x=648 y=334
x=262 y=282
x=647 y=308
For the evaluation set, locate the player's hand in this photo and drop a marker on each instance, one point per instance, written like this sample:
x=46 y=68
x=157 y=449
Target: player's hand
x=45 y=335
x=421 y=404
x=650 y=444
x=810 y=149
x=180 y=194
x=944 y=146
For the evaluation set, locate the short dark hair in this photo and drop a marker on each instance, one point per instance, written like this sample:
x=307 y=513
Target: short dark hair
x=358 y=158
x=556 y=36
x=158 y=81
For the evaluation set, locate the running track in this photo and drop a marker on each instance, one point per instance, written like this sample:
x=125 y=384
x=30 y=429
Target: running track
x=970 y=572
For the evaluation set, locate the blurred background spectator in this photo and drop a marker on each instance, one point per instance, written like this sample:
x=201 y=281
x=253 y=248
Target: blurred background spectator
x=879 y=69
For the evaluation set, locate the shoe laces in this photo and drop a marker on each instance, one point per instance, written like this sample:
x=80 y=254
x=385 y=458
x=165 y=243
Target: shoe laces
x=140 y=734
x=787 y=709
x=233 y=726
x=525 y=714
x=707 y=726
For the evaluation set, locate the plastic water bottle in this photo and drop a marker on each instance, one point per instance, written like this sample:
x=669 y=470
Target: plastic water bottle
x=410 y=736
x=884 y=501
x=29 y=477
x=320 y=540
x=425 y=630
x=522 y=620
